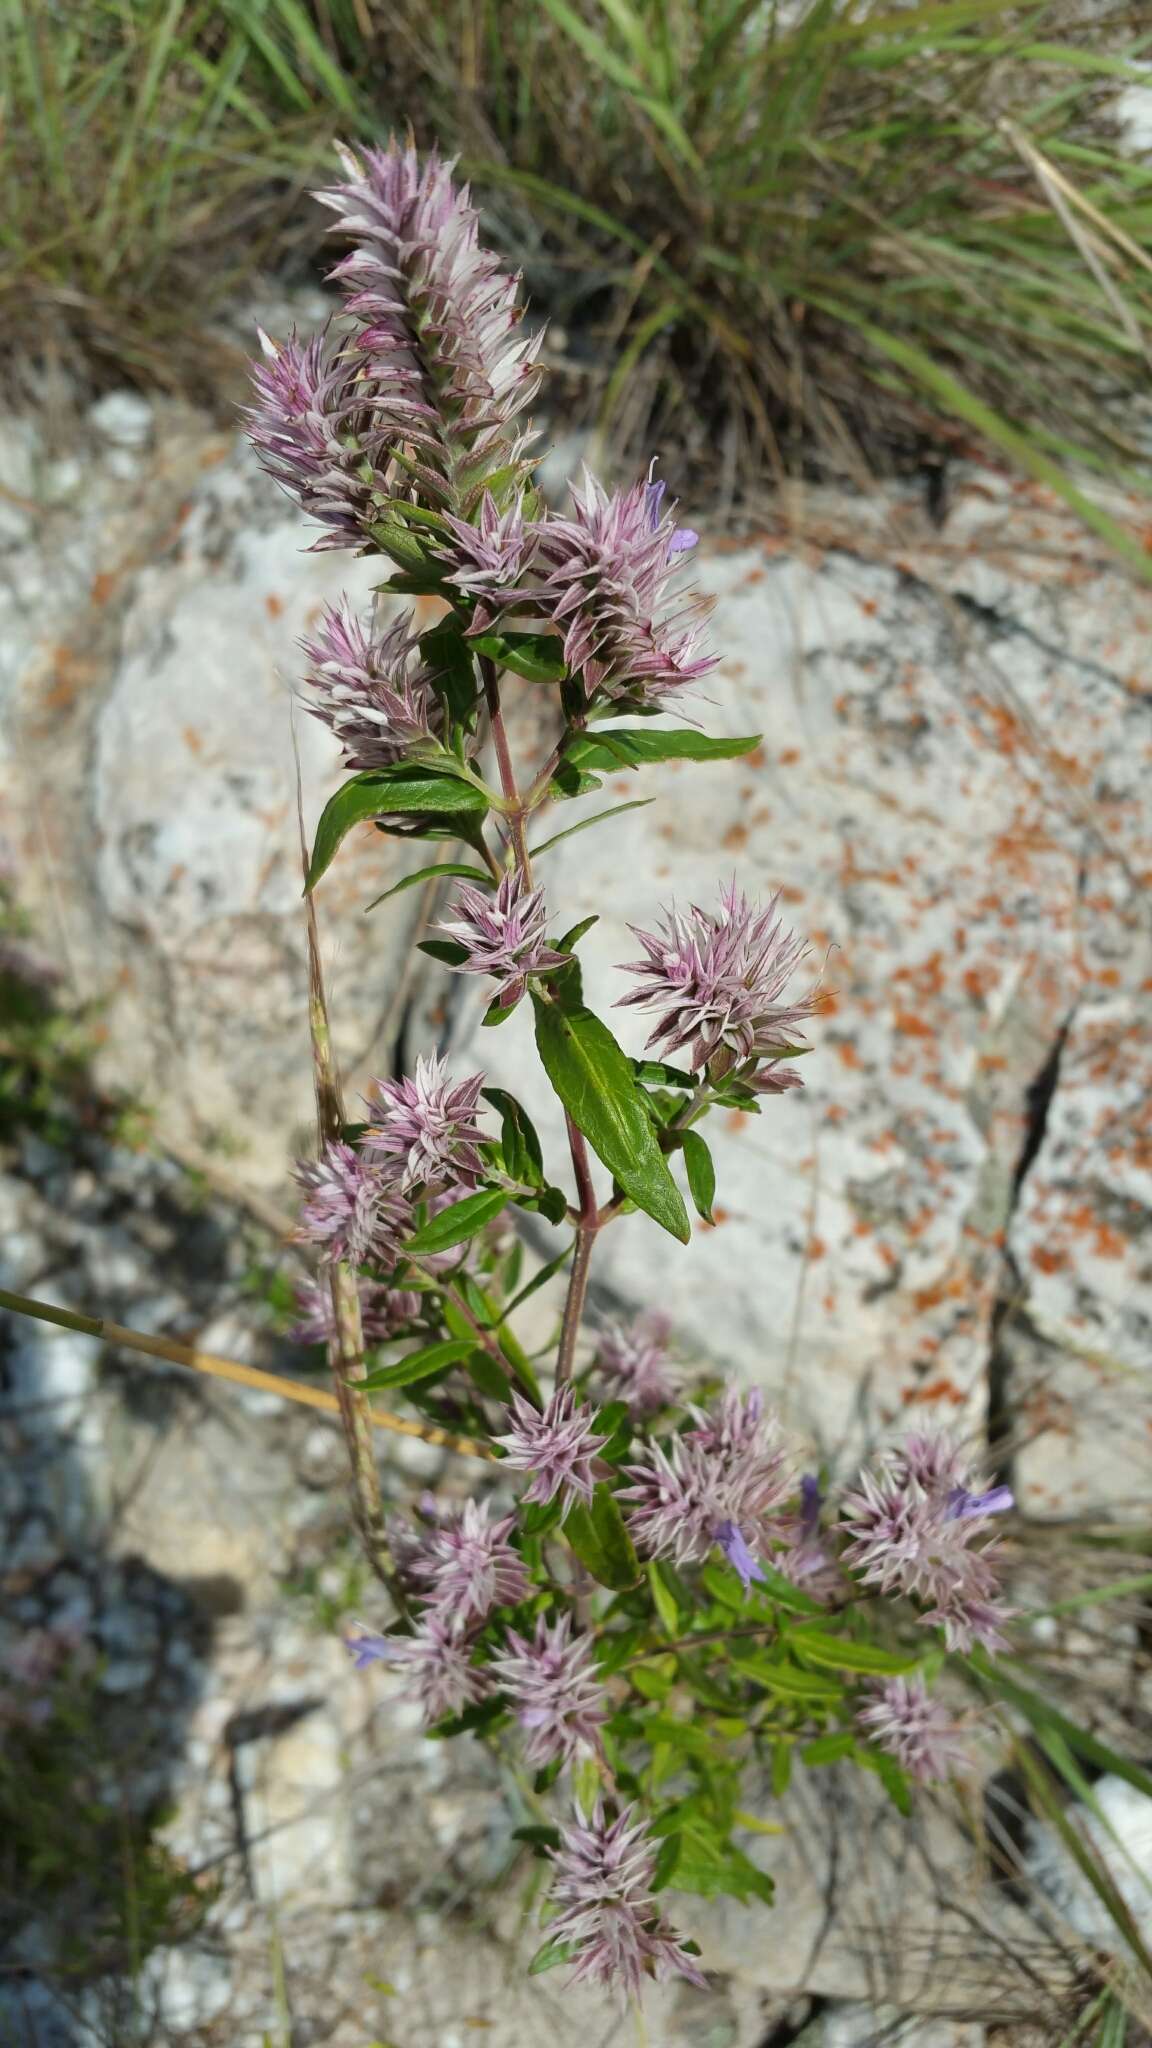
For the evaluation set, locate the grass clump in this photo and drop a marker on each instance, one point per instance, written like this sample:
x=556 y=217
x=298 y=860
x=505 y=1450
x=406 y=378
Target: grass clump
x=831 y=228
x=824 y=234
x=152 y=154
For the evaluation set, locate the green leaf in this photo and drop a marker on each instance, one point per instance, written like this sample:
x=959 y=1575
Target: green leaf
x=660 y=1075
x=481 y=1367
x=539 y=1279
x=701 y=1173
x=601 y=1541
x=776 y=1676
x=594 y=1081
x=447 y=867
x=539 y=1517
x=449 y=658
x=664 y=1601
x=839 y=1654
x=417 y=792
x=829 y=1749
x=449 y=951
x=576 y=933
x=893 y=1779
x=551 y=1203
x=781 y=1768
x=666 y=1861
x=536 y=656
x=709 y=1865
x=612 y=1651
x=462 y=1220
x=631 y=746
x=635 y=803
x=520 y=1145
x=650 y=1681
x=418 y=1365
x=614 y=1423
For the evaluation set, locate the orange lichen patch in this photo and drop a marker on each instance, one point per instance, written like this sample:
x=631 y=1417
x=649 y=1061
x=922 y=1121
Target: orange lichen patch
x=1108 y=977
x=70 y=671
x=735 y=838
x=215 y=453
x=789 y=893
x=1108 y=1243
x=835 y=1113
x=942 y=1389
x=911 y=1025
x=868 y=606
x=192 y=740
x=992 y=1063
x=1010 y=734
x=848 y=1052
x=735 y=1120
x=719 y=1215
x=753 y=577
x=926 y=976
x=1049 y=1258
x=788 y=756
x=273 y=605
x=102 y=586
x=428 y=611
x=816 y=1248
x=979 y=980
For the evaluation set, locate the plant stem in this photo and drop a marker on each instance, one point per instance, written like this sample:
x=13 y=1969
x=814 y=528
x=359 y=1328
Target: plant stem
x=174 y=1352
x=586 y=1232
x=512 y=797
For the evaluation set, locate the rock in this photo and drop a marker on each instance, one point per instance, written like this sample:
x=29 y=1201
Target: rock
x=186 y=1987
x=881 y=1910
x=123 y=418
x=866 y=2026
x=152 y=693
x=1117 y=1832
x=948 y=796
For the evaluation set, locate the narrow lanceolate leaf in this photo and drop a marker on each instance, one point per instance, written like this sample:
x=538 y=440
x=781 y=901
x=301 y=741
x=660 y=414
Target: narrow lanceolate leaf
x=593 y=1078
x=419 y=1365
x=776 y=1676
x=836 y=1653
x=519 y=1141
x=432 y=874
x=636 y=803
x=462 y=1220
x=631 y=746
x=414 y=792
x=701 y=1173
x=601 y=1541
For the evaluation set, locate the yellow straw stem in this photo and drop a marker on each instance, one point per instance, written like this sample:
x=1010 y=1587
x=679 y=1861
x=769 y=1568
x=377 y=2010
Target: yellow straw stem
x=176 y=1353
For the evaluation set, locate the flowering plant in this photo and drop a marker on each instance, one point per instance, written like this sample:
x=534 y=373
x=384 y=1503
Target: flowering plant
x=655 y=1598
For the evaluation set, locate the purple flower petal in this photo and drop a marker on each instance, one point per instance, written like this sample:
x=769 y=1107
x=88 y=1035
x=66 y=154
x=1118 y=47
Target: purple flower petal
x=738 y=1554
x=369 y=1649
x=964 y=1506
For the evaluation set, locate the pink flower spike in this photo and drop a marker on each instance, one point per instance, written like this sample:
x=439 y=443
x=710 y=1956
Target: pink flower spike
x=915 y=1729
x=467 y=1567
x=504 y=935
x=373 y=693
x=555 y=1691
x=608 y=1915
x=558 y=1448
x=425 y=1127
x=350 y=1211
x=717 y=978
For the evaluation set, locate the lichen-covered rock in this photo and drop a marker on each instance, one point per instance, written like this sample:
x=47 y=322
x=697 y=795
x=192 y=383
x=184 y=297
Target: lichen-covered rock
x=948 y=796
